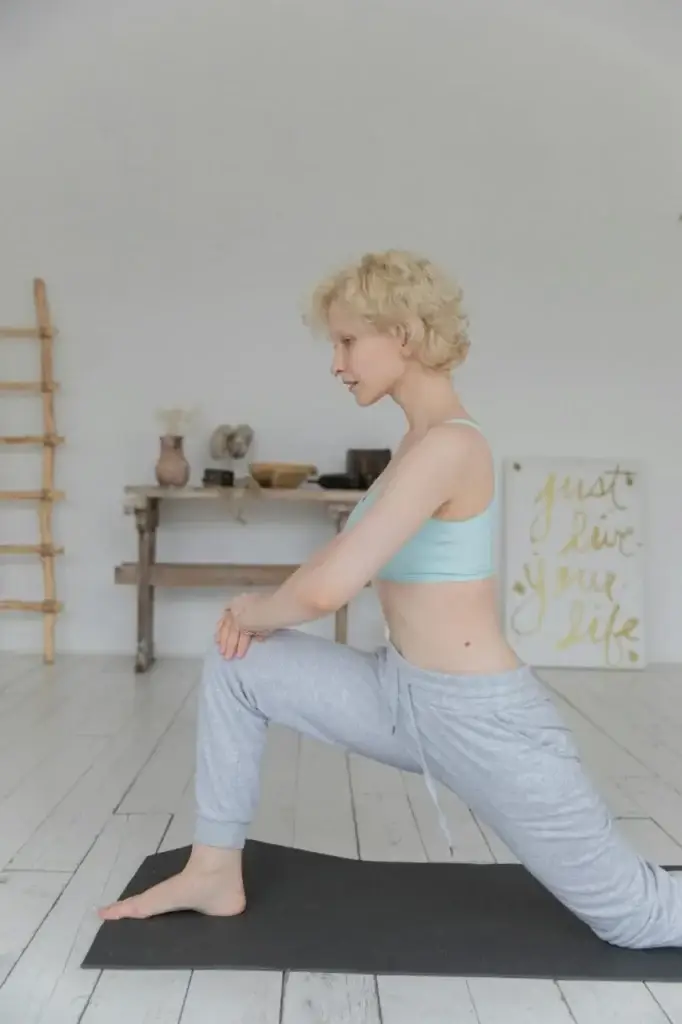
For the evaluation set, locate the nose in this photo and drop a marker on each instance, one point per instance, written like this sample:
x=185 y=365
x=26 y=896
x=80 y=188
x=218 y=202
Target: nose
x=337 y=361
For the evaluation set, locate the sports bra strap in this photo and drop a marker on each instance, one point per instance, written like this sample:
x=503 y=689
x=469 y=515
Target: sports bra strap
x=471 y=423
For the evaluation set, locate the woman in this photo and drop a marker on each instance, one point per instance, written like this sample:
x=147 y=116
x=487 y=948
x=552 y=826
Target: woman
x=447 y=697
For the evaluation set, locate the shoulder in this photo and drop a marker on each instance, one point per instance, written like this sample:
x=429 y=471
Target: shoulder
x=451 y=444
x=442 y=457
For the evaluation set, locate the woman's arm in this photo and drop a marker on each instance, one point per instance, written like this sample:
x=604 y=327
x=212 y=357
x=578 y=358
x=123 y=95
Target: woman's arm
x=426 y=477
x=291 y=604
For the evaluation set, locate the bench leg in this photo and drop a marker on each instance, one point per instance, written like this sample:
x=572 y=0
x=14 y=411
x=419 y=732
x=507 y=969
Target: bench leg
x=341 y=618
x=146 y=521
x=341 y=625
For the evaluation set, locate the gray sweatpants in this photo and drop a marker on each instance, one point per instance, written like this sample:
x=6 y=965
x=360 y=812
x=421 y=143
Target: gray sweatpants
x=496 y=741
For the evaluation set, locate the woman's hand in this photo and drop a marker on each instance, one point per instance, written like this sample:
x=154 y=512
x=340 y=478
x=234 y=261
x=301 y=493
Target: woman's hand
x=232 y=639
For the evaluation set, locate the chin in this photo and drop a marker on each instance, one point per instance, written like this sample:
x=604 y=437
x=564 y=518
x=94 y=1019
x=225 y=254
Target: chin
x=366 y=399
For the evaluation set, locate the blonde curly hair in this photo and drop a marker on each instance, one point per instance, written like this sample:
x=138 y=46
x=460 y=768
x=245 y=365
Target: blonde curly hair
x=398 y=288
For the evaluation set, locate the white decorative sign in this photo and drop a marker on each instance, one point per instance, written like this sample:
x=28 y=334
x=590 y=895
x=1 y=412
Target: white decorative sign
x=573 y=562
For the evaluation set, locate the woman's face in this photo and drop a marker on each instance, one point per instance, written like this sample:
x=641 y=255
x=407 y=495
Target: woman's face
x=368 y=362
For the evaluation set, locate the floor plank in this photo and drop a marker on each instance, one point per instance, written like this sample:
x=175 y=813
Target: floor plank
x=26 y=897
x=68 y=831
x=38 y=799
x=387 y=829
x=669 y=998
x=275 y=818
x=658 y=799
x=651 y=841
x=236 y=997
x=615 y=1003
x=37 y=727
x=343 y=999
x=324 y=820
x=48 y=984
x=160 y=785
x=138 y=997
x=517 y=1001
x=408 y=1000
x=617 y=708
x=469 y=842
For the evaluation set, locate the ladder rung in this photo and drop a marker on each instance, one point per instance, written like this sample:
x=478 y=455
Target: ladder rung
x=32 y=495
x=19 y=332
x=46 y=550
x=31 y=606
x=29 y=386
x=45 y=439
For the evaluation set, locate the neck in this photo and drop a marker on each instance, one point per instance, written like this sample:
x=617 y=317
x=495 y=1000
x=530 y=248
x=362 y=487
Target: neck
x=426 y=397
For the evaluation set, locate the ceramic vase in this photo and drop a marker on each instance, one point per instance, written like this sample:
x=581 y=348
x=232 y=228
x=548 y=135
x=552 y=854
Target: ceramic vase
x=172 y=468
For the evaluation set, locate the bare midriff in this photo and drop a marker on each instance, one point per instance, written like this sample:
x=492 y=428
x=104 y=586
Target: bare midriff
x=450 y=626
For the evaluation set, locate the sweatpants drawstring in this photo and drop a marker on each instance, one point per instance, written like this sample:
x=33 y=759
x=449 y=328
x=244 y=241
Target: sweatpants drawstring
x=403 y=690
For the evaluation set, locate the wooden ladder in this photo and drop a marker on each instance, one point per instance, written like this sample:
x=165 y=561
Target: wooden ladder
x=46 y=496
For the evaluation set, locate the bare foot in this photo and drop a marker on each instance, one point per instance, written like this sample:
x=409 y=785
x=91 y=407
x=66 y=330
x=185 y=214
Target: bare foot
x=214 y=889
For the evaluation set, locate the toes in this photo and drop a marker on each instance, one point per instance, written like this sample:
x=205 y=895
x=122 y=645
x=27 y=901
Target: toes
x=109 y=913
x=115 y=911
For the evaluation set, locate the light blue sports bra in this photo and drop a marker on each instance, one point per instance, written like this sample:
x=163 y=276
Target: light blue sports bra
x=440 y=549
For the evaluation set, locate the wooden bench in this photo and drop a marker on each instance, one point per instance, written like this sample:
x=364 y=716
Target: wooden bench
x=146 y=574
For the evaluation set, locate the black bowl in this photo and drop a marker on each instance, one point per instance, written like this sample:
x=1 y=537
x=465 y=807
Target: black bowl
x=336 y=482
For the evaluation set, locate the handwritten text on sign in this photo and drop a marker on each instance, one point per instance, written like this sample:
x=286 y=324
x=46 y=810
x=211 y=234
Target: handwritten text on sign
x=574 y=565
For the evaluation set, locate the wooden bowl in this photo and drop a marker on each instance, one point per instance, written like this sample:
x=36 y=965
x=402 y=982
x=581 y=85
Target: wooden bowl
x=281 y=474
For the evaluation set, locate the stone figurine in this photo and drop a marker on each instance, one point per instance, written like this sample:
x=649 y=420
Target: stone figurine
x=231 y=441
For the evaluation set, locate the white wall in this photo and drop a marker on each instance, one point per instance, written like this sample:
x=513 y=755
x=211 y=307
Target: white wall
x=181 y=173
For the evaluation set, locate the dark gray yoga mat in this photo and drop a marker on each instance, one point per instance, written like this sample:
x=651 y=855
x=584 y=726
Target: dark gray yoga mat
x=312 y=912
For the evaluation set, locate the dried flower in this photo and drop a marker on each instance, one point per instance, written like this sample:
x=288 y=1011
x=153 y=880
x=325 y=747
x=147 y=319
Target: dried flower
x=175 y=421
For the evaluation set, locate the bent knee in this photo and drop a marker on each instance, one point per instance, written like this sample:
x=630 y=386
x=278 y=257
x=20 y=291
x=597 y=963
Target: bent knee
x=626 y=940
x=633 y=933
x=245 y=675
x=217 y=668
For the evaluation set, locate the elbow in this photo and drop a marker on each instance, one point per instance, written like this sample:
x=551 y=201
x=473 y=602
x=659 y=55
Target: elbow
x=323 y=602
x=325 y=597
x=327 y=604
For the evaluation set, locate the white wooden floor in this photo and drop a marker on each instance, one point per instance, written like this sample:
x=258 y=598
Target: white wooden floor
x=95 y=773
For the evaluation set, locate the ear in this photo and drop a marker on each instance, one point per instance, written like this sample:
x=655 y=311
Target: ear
x=403 y=336
x=400 y=333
